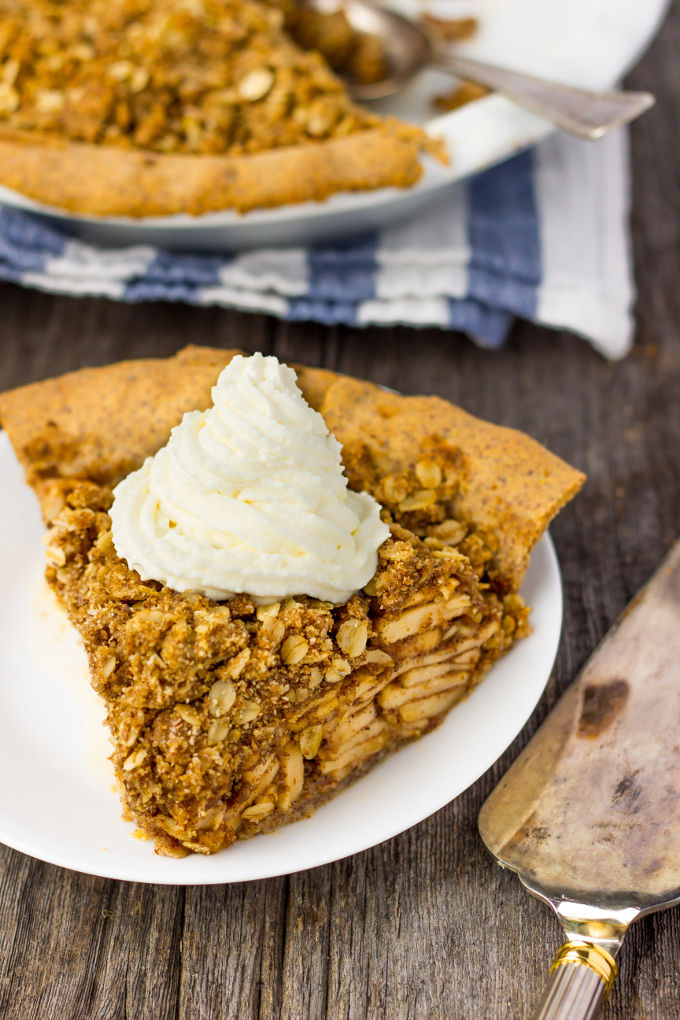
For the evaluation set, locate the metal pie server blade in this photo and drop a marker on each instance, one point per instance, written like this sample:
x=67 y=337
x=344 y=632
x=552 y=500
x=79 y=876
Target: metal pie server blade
x=588 y=816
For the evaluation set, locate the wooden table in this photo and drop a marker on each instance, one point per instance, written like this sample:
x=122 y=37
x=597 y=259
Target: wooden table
x=425 y=925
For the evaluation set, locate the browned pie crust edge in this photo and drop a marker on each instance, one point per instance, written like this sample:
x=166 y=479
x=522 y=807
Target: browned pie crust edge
x=98 y=180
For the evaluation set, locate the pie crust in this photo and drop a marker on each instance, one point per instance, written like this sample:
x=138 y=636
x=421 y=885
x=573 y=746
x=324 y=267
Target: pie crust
x=95 y=181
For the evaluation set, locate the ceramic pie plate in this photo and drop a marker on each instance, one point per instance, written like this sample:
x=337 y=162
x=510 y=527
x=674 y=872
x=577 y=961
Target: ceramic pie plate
x=58 y=800
x=584 y=42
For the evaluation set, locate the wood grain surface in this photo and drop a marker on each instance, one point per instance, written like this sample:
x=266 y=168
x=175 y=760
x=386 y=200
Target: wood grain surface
x=426 y=925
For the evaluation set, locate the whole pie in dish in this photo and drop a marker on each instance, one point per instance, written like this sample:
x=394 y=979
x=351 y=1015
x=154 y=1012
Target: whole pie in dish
x=233 y=716
x=153 y=107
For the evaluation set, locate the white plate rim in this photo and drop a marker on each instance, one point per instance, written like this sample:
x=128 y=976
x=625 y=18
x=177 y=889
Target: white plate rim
x=531 y=660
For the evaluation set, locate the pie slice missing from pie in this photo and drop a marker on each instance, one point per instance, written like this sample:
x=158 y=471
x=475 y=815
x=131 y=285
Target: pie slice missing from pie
x=228 y=718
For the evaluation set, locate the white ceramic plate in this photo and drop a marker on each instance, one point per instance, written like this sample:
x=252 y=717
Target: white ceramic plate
x=583 y=42
x=57 y=796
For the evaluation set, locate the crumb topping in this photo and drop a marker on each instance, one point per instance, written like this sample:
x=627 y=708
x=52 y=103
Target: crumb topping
x=218 y=709
x=179 y=76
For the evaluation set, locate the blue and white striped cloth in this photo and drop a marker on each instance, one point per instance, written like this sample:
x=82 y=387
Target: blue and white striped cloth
x=543 y=236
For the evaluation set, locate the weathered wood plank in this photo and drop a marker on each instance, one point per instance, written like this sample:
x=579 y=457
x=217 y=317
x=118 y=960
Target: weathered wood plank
x=231 y=936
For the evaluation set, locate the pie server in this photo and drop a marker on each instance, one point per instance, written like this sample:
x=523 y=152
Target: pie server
x=589 y=814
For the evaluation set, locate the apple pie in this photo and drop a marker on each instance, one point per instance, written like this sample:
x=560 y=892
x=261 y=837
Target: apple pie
x=227 y=717
x=154 y=107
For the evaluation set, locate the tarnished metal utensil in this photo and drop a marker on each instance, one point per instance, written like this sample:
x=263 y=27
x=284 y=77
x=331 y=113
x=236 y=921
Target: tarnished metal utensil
x=408 y=49
x=589 y=814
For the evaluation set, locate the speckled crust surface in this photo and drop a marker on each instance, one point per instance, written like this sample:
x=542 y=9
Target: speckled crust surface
x=99 y=423
x=97 y=181
x=227 y=718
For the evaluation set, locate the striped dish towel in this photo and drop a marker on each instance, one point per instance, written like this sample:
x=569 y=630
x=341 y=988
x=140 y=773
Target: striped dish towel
x=543 y=236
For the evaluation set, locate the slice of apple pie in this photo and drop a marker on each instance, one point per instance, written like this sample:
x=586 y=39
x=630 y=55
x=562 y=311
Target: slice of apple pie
x=230 y=711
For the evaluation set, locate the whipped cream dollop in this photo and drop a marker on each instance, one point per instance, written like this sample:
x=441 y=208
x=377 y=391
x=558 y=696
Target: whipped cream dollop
x=249 y=496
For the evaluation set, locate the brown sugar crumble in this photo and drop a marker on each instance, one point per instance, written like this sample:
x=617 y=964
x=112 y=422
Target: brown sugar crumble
x=226 y=718
x=461 y=95
x=450 y=30
x=187 y=76
x=182 y=76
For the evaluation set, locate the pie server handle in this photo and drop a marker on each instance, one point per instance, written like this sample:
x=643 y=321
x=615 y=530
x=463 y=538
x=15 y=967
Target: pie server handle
x=581 y=977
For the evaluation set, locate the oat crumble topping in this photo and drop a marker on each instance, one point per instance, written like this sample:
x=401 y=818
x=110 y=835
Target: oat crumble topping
x=201 y=693
x=178 y=76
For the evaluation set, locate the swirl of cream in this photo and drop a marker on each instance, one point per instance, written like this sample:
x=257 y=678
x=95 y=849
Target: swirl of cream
x=249 y=496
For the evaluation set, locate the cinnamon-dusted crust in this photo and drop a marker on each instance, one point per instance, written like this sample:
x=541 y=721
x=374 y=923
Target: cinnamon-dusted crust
x=95 y=180
x=101 y=423
x=229 y=719
x=314 y=383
